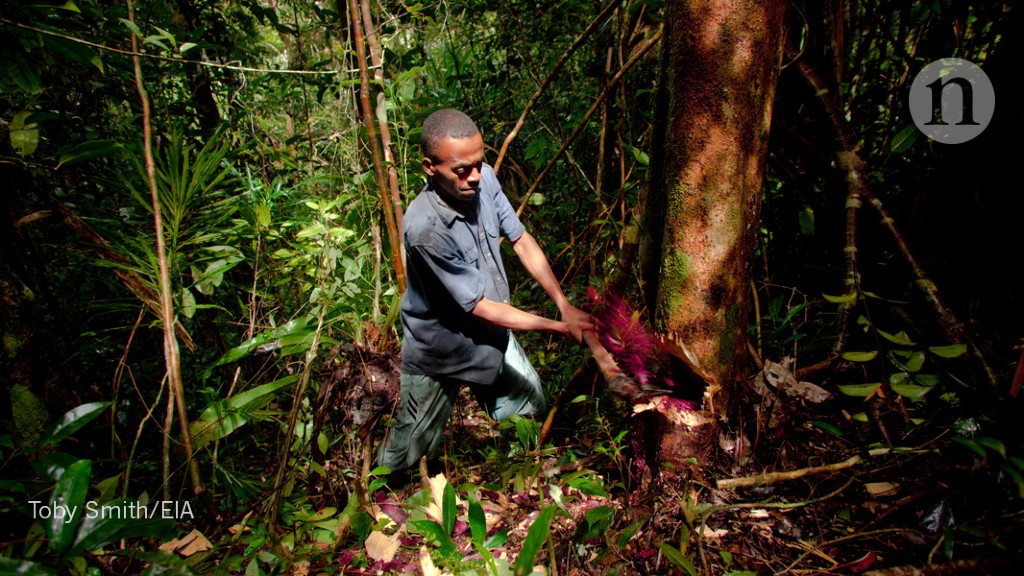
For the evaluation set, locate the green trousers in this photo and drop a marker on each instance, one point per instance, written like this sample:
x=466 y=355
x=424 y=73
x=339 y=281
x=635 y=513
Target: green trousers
x=426 y=403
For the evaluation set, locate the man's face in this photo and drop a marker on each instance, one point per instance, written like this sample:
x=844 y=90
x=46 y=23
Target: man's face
x=456 y=169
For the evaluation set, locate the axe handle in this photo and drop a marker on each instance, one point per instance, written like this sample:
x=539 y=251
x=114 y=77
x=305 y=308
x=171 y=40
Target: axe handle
x=605 y=362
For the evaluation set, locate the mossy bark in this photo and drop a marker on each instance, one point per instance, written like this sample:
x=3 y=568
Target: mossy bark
x=721 y=60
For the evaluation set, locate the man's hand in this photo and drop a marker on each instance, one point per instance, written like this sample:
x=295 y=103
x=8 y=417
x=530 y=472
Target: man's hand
x=578 y=322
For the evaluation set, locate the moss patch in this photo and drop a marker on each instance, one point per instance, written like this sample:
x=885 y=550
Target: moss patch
x=674 y=274
x=29 y=412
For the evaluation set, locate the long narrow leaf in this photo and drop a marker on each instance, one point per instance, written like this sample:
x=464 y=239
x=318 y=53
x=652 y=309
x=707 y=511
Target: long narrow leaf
x=448 y=508
x=296 y=326
x=477 y=522
x=68 y=497
x=225 y=416
x=117 y=520
x=535 y=538
x=72 y=421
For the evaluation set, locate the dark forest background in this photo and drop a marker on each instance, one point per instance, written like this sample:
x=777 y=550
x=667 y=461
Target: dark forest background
x=284 y=143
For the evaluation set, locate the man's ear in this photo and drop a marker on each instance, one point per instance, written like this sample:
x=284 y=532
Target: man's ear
x=428 y=166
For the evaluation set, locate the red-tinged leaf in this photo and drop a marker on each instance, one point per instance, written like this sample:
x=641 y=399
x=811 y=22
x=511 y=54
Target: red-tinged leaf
x=863 y=563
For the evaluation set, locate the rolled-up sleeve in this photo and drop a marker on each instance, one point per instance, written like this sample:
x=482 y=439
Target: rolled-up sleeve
x=511 y=227
x=452 y=272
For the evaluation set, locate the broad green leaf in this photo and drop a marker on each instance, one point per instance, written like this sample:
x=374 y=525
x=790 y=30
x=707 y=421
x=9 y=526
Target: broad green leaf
x=993 y=443
x=72 y=421
x=434 y=533
x=639 y=155
x=588 y=486
x=87 y=151
x=448 y=511
x=112 y=521
x=950 y=351
x=69 y=496
x=536 y=536
x=632 y=530
x=859 y=390
x=263 y=215
x=188 y=303
x=69 y=6
x=864 y=356
x=972 y=445
x=806 y=219
x=298 y=325
x=314 y=229
x=186 y=47
x=75 y=51
x=904 y=139
x=477 y=522
x=599 y=519
x=840 y=299
x=912 y=391
x=132 y=26
x=915 y=362
x=900 y=338
x=1016 y=477
x=24 y=137
x=525 y=432
x=497 y=539
x=24 y=74
x=223 y=417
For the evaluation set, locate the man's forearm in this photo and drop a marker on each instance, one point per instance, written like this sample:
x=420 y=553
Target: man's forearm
x=516 y=319
x=536 y=263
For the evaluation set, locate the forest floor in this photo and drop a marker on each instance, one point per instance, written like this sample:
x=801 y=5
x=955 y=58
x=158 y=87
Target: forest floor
x=793 y=487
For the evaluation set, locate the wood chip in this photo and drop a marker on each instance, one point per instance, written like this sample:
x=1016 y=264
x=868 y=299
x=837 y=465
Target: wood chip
x=382 y=547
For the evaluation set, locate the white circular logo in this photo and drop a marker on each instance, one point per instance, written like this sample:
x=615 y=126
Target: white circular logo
x=952 y=100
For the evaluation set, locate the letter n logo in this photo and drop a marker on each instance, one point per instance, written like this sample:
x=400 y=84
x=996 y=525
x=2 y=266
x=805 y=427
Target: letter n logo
x=967 y=98
x=951 y=101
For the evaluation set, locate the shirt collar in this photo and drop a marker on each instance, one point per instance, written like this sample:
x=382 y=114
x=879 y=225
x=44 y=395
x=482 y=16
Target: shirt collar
x=445 y=211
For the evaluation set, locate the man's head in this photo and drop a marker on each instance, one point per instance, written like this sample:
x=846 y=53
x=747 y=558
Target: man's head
x=453 y=153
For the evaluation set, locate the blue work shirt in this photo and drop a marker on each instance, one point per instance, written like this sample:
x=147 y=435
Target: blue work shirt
x=452 y=262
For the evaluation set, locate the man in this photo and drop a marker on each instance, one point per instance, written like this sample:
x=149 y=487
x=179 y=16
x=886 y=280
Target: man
x=456 y=314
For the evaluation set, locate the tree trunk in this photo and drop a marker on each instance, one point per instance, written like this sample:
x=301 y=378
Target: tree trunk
x=720 y=63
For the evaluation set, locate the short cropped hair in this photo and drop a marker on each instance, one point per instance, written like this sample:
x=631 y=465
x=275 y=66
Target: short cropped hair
x=442 y=124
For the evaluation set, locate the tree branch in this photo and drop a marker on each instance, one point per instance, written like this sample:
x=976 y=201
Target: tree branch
x=172 y=357
x=374 y=145
x=608 y=10
x=848 y=159
x=639 y=53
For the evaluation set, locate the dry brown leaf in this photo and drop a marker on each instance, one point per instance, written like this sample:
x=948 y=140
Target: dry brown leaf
x=188 y=545
x=780 y=377
x=881 y=488
x=707 y=532
x=807 y=391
